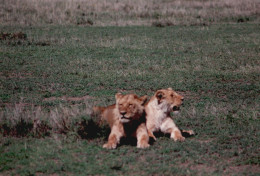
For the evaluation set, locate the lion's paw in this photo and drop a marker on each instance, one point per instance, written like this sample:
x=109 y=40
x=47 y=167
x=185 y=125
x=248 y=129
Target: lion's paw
x=143 y=145
x=109 y=146
x=179 y=138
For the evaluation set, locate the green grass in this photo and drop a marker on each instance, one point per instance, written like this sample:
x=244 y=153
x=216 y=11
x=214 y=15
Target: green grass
x=216 y=68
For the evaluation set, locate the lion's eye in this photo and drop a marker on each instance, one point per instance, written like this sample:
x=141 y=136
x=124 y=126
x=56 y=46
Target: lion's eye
x=171 y=95
x=120 y=104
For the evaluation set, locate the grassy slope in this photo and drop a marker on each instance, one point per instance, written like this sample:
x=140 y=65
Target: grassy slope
x=216 y=68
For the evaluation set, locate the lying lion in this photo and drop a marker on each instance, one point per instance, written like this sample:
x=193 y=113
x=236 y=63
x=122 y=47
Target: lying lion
x=125 y=118
x=158 y=111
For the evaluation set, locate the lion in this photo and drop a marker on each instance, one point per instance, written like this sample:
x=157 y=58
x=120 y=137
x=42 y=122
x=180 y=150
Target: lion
x=126 y=118
x=158 y=116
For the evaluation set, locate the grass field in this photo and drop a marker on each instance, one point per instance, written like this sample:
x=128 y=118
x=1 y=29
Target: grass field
x=52 y=74
x=51 y=78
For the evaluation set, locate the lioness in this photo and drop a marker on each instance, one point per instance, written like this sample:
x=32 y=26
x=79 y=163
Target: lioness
x=125 y=118
x=158 y=111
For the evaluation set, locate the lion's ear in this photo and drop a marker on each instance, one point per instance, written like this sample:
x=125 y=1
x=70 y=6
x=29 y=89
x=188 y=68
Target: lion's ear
x=143 y=99
x=159 y=95
x=169 y=88
x=118 y=96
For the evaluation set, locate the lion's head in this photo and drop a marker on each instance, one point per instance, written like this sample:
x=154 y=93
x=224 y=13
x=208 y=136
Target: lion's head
x=130 y=107
x=169 y=99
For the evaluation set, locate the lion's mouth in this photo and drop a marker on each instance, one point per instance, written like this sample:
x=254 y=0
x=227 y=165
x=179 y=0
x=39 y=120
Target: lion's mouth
x=124 y=119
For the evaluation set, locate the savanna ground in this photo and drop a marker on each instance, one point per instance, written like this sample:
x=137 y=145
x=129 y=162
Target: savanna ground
x=59 y=58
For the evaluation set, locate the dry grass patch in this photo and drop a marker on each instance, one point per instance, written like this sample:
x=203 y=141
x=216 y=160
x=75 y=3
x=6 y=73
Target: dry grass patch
x=127 y=12
x=23 y=119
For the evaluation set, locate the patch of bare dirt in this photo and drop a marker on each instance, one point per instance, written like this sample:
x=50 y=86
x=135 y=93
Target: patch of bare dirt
x=189 y=95
x=203 y=167
x=199 y=167
x=246 y=169
x=19 y=75
x=205 y=141
x=66 y=98
x=17 y=105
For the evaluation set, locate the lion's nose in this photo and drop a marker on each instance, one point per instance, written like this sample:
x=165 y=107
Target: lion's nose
x=123 y=113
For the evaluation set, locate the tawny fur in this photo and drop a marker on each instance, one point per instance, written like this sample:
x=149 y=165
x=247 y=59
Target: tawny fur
x=125 y=118
x=158 y=111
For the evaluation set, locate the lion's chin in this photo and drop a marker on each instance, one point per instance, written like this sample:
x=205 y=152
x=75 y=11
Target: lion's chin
x=124 y=120
x=176 y=112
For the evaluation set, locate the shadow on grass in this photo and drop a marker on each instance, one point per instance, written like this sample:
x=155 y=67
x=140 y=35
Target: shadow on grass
x=89 y=129
x=25 y=129
x=21 y=129
x=86 y=129
x=185 y=133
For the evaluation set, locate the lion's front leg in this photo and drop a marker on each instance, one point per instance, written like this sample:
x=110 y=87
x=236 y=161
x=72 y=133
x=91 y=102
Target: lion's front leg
x=150 y=129
x=142 y=136
x=112 y=142
x=168 y=126
x=150 y=134
x=114 y=137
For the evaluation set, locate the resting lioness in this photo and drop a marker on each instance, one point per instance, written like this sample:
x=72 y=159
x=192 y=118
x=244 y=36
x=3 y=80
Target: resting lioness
x=158 y=111
x=125 y=118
